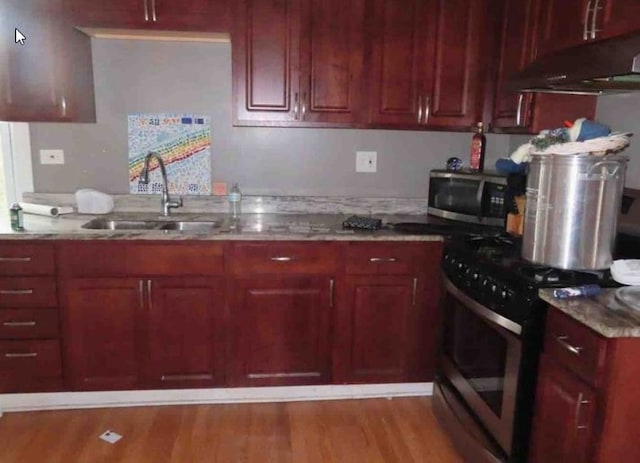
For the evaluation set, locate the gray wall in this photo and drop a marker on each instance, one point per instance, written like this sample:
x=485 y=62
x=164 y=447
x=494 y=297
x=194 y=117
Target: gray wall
x=147 y=76
x=622 y=113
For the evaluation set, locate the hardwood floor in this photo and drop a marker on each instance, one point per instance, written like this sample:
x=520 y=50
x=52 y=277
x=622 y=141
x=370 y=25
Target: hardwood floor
x=401 y=430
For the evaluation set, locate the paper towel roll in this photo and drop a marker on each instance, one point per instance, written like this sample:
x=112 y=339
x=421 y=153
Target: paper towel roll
x=41 y=209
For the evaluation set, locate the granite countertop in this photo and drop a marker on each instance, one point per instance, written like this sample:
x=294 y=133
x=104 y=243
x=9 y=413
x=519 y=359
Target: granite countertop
x=604 y=314
x=268 y=226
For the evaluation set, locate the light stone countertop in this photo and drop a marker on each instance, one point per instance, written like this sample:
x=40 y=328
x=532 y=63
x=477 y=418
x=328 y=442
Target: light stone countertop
x=310 y=227
x=604 y=313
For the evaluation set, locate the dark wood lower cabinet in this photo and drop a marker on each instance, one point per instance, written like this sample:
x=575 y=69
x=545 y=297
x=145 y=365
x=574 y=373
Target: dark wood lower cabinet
x=564 y=421
x=373 y=344
x=103 y=321
x=281 y=331
x=184 y=333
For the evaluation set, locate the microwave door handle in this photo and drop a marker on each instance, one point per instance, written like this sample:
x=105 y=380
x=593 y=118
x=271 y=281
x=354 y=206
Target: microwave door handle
x=479 y=196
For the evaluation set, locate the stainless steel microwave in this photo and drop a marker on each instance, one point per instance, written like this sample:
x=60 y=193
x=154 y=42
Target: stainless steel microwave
x=473 y=197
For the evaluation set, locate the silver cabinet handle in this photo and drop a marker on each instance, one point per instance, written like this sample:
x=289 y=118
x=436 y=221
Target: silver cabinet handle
x=149 y=295
x=19 y=324
x=146 y=11
x=304 y=105
x=15 y=355
x=15 y=259
x=579 y=405
x=519 y=110
x=562 y=340
x=585 y=32
x=594 y=19
x=427 y=109
x=419 y=109
x=282 y=259
x=296 y=106
x=383 y=259
x=415 y=290
x=141 y=293
x=16 y=291
x=153 y=11
x=331 y=285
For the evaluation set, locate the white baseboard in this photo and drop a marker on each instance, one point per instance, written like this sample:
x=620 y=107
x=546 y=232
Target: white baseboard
x=70 y=400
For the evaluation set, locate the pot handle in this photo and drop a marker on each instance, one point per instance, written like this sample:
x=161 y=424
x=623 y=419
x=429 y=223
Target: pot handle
x=605 y=174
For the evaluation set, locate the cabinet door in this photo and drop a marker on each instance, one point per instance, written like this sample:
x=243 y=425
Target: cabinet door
x=102 y=321
x=564 y=416
x=114 y=13
x=49 y=77
x=512 y=109
x=455 y=83
x=332 y=51
x=266 y=68
x=563 y=24
x=397 y=64
x=184 y=318
x=617 y=17
x=280 y=330
x=375 y=337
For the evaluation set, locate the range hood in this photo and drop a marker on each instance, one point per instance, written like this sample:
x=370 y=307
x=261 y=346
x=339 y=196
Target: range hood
x=597 y=68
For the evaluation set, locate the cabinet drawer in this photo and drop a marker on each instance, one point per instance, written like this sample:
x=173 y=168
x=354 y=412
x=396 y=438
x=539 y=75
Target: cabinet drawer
x=383 y=258
x=30 y=358
x=104 y=259
x=575 y=346
x=28 y=324
x=28 y=292
x=18 y=258
x=283 y=258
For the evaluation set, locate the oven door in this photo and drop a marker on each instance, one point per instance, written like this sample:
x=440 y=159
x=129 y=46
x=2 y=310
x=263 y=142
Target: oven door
x=480 y=357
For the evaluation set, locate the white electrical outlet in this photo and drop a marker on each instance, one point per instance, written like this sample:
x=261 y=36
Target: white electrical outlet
x=366 y=161
x=51 y=157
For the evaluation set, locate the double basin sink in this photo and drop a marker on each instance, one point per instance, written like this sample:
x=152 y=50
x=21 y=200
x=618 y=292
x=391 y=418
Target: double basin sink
x=160 y=224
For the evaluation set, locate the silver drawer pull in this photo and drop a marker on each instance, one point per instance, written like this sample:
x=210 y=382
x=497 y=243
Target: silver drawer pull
x=19 y=324
x=383 y=259
x=15 y=259
x=562 y=340
x=13 y=355
x=282 y=259
x=16 y=291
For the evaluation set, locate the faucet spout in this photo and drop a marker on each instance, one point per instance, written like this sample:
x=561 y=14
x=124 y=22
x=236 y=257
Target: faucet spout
x=167 y=203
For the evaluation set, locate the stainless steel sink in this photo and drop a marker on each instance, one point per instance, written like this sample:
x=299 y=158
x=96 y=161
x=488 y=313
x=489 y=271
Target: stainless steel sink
x=105 y=224
x=189 y=226
x=193 y=226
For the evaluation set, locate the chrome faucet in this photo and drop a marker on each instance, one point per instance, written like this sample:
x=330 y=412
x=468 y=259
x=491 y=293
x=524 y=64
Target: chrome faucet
x=167 y=204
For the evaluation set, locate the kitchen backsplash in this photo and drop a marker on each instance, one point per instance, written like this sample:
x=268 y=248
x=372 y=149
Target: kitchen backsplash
x=145 y=76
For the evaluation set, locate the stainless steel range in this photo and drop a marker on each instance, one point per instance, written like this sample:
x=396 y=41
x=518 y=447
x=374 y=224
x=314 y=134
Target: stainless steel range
x=491 y=340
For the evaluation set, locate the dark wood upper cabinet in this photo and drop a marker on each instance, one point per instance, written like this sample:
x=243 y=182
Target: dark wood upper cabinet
x=460 y=57
x=428 y=57
x=617 y=17
x=522 y=112
x=563 y=24
x=399 y=50
x=178 y=15
x=49 y=77
x=298 y=62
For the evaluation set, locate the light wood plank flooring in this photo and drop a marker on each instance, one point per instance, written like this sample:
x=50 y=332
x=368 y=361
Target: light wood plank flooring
x=401 y=430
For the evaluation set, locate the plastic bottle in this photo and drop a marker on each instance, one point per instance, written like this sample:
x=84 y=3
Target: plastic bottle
x=478 y=145
x=235 y=202
x=15 y=212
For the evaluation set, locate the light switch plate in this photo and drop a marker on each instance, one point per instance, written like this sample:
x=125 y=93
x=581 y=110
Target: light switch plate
x=51 y=157
x=366 y=161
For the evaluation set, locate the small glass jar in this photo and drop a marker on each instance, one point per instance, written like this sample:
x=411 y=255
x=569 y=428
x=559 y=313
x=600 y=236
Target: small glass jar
x=15 y=214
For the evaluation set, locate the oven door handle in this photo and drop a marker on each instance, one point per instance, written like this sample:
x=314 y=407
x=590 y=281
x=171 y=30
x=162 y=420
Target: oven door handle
x=479 y=196
x=480 y=310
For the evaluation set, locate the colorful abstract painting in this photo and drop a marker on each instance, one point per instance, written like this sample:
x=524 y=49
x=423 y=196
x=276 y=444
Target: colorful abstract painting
x=184 y=143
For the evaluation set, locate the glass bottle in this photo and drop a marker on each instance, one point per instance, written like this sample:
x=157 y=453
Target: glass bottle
x=15 y=213
x=478 y=145
x=235 y=202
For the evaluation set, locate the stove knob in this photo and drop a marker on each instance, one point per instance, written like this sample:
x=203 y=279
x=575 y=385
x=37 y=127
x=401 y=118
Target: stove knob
x=475 y=276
